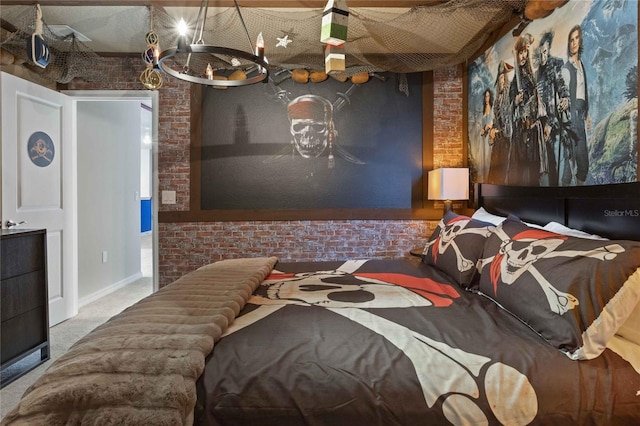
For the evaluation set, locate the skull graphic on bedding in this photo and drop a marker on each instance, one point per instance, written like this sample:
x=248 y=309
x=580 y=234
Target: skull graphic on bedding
x=385 y=342
x=449 y=377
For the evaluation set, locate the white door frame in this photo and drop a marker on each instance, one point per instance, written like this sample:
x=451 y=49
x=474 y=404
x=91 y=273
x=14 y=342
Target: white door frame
x=133 y=95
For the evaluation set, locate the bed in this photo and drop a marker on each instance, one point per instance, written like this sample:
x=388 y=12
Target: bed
x=526 y=312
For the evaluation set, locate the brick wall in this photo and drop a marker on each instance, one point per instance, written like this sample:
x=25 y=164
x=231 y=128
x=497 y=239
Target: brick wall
x=186 y=246
x=448 y=137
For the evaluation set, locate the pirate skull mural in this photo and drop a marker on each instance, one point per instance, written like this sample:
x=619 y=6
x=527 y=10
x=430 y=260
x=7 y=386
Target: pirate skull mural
x=311 y=121
x=311 y=124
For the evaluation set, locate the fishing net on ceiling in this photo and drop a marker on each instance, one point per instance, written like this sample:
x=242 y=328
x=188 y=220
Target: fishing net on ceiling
x=400 y=40
x=69 y=57
x=422 y=38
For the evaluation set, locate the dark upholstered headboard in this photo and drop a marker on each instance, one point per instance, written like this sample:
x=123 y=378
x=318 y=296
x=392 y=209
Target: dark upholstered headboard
x=612 y=211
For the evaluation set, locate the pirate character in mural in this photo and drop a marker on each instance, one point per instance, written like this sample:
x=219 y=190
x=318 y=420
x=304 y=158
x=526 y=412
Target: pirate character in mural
x=500 y=132
x=623 y=43
x=483 y=155
x=555 y=98
x=528 y=156
x=601 y=63
x=574 y=75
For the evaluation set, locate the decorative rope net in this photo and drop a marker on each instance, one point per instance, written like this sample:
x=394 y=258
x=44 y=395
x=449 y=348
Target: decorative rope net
x=70 y=58
x=421 y=38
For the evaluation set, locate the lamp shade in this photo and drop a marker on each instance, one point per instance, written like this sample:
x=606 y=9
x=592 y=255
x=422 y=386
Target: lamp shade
x=449 y=184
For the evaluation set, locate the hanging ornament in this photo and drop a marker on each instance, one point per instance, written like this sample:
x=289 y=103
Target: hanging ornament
x=283 y=41
x=334 y=60
x=37 y=48
x=151 y=78
x=335 y=20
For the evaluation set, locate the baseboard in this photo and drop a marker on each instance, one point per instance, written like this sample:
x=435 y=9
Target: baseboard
x=108 y=290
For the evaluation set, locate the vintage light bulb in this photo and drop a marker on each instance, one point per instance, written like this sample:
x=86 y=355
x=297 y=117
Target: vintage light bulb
x=260 y=46
x=182 y=37
x=182 y=27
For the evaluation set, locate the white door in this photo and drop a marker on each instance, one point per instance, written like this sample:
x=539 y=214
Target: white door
x=38 y=180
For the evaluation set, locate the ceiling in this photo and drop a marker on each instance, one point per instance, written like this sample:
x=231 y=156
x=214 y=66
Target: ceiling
x=119 y=27
x=389 y=35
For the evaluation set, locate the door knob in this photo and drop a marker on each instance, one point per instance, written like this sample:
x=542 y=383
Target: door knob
x=11 y=224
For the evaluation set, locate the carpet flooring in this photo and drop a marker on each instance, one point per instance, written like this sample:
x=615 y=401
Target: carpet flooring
x=63 y=335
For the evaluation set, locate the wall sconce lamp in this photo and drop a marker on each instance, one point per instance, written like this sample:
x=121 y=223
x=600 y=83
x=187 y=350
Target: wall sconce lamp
x=448 y=184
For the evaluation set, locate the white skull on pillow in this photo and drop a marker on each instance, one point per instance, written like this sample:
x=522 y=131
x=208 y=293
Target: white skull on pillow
x=521 y=254
x=447 y=239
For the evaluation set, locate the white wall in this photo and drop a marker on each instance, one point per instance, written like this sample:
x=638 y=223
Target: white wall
x=108 y=196
x=146 y=158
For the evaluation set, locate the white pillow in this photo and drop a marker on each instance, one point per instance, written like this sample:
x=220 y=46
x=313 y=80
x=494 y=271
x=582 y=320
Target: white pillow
x=484 y=216
x=630 y=330
x=559 y=228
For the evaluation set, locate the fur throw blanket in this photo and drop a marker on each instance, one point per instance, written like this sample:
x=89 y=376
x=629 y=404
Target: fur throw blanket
x=141 y=366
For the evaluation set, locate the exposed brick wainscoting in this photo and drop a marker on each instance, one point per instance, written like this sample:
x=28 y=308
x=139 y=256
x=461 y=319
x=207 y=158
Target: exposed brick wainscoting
x=185 y=246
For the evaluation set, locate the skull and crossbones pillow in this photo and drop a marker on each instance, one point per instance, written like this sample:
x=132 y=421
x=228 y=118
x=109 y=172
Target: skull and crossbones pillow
x=455 y=247
x=574 y=292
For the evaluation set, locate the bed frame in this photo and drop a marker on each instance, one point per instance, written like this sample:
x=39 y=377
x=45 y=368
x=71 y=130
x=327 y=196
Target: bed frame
x=611 y=211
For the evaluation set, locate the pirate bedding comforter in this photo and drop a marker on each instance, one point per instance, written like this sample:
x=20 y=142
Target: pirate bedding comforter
x=496 y=325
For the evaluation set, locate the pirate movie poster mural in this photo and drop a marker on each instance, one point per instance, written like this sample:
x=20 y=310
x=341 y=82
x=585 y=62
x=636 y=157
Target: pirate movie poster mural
x=329 y=145
x=557 y=104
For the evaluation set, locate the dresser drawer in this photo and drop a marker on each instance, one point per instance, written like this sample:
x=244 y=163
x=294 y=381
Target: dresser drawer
x=21 y=255
x=21 y=294
x=23 y=332
x=24 y=305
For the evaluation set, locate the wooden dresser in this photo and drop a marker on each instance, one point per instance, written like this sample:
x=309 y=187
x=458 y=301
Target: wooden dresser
x=24 y=303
